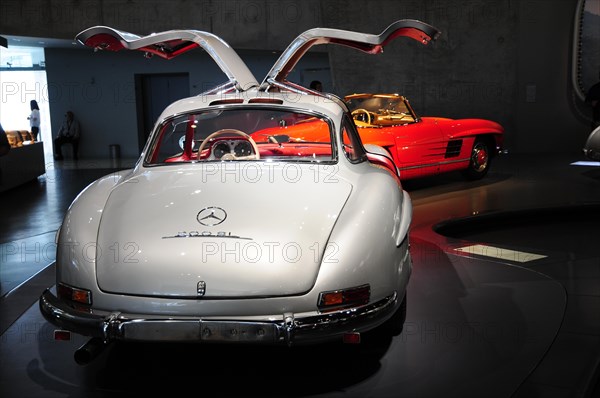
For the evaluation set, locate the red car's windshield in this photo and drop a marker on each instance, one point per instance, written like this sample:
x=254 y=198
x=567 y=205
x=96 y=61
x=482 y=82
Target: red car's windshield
x=380 y=109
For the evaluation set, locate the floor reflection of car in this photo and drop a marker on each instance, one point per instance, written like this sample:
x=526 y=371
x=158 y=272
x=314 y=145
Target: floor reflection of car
x=422 y=146
x=592 y=146
x=249 y=217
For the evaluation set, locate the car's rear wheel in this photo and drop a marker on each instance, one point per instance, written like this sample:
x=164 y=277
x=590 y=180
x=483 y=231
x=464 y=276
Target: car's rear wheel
x=479 y=163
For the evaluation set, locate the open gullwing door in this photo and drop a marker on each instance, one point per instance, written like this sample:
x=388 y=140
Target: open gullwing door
x=369 y=43
x=171 y=43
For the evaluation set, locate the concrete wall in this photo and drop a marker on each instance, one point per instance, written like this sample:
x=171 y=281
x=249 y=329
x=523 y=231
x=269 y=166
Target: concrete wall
x=254 y=24
x=506 y=60
x=469 y=72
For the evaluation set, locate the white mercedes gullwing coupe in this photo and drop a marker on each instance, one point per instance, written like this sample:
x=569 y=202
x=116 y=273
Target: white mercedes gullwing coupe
x=253 y=215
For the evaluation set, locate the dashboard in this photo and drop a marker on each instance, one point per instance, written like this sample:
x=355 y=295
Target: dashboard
x=231 y=148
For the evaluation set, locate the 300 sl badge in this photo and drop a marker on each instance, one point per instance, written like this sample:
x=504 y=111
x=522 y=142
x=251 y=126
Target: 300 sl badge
x=205 y=234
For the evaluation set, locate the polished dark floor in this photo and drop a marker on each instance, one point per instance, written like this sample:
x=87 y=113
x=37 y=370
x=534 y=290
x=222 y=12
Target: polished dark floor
x=504 y=301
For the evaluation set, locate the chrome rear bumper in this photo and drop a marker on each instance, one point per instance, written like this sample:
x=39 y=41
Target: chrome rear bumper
x=288 y=330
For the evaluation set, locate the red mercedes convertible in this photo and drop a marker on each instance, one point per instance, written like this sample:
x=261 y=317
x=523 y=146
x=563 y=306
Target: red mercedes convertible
x=424 y=146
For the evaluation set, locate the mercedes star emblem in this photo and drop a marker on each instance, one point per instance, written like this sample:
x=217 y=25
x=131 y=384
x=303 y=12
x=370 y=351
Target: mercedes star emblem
x=211 y=216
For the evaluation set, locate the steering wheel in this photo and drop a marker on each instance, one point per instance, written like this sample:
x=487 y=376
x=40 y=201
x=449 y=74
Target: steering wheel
x=231 y=156
x=362 y=111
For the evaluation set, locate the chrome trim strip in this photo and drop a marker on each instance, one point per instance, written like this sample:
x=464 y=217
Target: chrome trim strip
x=434 y=164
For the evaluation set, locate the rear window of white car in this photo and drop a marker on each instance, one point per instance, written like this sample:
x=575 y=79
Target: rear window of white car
x=242 y=134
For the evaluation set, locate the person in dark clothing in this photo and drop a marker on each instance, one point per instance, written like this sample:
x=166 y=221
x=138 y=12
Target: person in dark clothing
x=316 y=85
x=69 y=133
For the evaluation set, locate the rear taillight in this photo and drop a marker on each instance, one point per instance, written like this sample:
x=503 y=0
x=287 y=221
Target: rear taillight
x=66 y=292
x=344 y=298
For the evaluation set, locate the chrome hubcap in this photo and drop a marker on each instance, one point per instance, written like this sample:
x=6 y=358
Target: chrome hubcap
x=479 y=158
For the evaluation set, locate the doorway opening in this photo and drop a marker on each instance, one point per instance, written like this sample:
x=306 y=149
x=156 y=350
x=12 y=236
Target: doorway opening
x=154 y=92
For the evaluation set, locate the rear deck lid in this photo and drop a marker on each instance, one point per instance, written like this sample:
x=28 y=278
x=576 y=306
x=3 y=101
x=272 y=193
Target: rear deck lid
x=172 y=233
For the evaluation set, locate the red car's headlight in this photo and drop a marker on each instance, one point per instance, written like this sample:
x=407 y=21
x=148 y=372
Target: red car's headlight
x=337 y=299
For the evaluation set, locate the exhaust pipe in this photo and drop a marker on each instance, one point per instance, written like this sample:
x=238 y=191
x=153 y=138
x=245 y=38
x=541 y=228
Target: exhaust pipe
x=89 y=351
